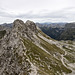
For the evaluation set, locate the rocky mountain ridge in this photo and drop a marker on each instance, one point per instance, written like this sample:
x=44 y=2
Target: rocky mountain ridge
x=11 y=60
x=26 y=50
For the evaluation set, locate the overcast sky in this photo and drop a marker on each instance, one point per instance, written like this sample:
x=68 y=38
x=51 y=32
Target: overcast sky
x=37 y=10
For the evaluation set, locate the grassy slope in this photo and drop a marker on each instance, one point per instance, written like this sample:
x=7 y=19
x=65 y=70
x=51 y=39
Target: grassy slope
x=47 y=64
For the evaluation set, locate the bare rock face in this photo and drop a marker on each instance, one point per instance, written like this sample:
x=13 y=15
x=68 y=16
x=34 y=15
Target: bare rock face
x=31 y=25
x=13 y=60
x=25 y=29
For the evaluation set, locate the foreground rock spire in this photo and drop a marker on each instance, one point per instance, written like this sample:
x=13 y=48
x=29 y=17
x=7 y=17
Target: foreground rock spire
x=12 y=50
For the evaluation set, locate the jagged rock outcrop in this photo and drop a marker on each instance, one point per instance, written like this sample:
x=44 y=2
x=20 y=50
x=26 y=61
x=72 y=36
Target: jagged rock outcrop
x=12 y=51
x=31 y=25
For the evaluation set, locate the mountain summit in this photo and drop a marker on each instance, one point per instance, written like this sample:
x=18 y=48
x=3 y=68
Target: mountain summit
x=26 y=50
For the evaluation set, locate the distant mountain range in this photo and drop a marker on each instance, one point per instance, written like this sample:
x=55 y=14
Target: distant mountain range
x=59 y=31
x=53 y=25
x=7 y=24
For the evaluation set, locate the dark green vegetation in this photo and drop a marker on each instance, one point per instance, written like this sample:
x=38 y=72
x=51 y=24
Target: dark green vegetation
x=52 y=32
x=59 y=33
x=2 y=33
x=68 y=34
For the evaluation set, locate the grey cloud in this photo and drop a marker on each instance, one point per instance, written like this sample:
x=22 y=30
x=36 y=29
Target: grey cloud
x=5 y=14
x=64 y=14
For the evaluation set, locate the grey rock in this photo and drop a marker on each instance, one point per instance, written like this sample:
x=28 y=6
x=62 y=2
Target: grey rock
x=12 y=58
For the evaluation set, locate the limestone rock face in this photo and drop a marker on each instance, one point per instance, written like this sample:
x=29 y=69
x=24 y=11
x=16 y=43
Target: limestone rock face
x=12 y=50
x=31 y=25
